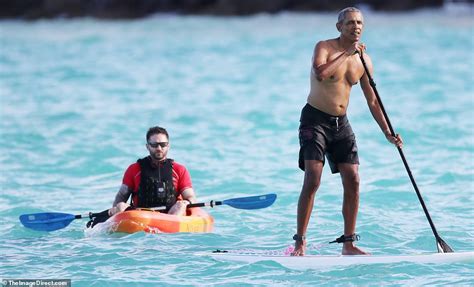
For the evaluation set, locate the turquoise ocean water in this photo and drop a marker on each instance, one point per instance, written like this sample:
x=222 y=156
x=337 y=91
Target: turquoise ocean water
x=77 y=97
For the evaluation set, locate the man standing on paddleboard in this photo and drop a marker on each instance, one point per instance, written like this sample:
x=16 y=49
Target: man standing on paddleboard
x=324 y=127
x=153 y=181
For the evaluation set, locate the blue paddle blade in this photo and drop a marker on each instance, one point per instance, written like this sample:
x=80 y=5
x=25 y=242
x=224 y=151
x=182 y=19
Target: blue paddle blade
x=47 y=221
x=251 y=202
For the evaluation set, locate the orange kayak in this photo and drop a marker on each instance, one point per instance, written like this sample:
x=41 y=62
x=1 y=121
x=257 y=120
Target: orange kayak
x=196 y=220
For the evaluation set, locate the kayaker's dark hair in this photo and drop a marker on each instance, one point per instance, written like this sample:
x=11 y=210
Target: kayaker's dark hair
x=156 y=130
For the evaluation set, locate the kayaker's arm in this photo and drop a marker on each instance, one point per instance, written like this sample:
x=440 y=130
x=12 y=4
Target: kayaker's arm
x=122 y=195
x=120 y=204
x=189 y=195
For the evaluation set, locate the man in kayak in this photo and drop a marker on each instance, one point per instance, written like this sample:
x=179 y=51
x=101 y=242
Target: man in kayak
x=325 y=130
x=153 y=181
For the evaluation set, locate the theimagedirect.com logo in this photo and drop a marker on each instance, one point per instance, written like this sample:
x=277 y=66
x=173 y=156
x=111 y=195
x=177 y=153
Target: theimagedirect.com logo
x=36 y=282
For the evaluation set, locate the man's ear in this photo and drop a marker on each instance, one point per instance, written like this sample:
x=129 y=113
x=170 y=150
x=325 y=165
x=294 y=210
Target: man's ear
x=338 y=26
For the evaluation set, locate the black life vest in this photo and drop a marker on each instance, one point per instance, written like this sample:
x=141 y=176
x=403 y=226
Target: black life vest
x=156 y=184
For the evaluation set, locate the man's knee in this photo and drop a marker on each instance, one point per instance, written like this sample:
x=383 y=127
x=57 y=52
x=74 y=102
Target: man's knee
x=352 y=179
x=350 y=175
x=311 y=184
x=312 y=177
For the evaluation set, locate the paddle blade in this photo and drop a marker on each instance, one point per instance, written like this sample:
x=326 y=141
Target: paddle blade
x=251 y=202
x=47 y=221
x=443 y=247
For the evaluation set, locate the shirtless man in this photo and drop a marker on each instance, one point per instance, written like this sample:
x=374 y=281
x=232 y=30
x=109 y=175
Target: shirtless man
x=325 y=130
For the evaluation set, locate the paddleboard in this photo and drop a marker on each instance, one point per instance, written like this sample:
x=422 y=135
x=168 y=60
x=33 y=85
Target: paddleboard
x=320 y=261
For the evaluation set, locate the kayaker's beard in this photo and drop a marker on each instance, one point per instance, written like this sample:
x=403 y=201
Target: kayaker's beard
x=158 y=155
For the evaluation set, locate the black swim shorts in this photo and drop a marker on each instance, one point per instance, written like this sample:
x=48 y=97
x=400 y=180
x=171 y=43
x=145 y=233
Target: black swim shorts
x=322 y=134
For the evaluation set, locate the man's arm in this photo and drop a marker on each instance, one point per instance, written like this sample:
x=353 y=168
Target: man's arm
x=122 y=195
x=179 y=208
x=188 y=194
x=324 y=69
x=374 y=105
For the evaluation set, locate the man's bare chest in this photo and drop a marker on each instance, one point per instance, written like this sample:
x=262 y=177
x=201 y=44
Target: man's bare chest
x=351 y=70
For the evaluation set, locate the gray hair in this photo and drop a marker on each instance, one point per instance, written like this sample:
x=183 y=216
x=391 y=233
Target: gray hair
x=343 y=12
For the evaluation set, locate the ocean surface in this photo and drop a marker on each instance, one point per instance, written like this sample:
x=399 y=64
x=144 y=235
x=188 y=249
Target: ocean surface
x=77 y=96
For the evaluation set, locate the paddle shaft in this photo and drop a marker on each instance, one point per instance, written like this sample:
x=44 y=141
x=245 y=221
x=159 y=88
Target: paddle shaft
x=249 y=202
x=400 y=151
x=212 y=203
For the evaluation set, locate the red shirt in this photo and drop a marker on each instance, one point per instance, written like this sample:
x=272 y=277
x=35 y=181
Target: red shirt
x=181 y=178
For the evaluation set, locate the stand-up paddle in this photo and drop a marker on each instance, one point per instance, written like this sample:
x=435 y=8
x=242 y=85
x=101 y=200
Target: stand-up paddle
x=440 y=244
x=50 y=221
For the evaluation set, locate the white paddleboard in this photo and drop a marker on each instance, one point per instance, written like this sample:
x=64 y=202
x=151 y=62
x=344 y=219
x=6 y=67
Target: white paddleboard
x=319 y=261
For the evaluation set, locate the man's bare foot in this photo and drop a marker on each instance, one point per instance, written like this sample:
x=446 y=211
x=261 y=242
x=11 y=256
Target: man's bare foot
x=300 y=248
x=350 y=249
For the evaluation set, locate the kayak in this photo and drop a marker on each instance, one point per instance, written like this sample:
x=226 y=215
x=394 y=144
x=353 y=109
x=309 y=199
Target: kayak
x=196 y=220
